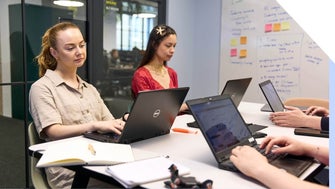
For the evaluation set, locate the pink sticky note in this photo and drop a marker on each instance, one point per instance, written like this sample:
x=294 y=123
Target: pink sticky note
x=233 y=52
x=268 y=28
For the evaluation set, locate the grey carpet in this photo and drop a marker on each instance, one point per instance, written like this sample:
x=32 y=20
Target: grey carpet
x=12 y=153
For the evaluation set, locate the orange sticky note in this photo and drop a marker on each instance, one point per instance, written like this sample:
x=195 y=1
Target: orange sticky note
x=285 y=26
x=243 y=53
x=243 y=40
x=276 y=27
x=233 y=52
x=268 y=27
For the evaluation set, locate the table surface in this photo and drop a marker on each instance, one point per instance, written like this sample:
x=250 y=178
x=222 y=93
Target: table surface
x=192 y=150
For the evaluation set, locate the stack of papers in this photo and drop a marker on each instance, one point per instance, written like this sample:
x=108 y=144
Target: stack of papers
x=144 y=171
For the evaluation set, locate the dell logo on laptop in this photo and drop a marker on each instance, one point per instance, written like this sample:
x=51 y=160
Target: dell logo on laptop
x=156 y=113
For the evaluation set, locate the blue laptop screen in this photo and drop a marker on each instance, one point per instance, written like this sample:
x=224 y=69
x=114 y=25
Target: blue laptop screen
x=221 y=122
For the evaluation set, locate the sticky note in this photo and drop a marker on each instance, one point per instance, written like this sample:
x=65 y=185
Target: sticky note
x=233 y=52
x=285 y=26
x=233 y=42
x=243 y=53
x=268 y=27
x=243 y=40
x=276 y=27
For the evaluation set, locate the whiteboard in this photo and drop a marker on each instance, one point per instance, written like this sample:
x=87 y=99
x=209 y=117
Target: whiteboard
x=260 y=39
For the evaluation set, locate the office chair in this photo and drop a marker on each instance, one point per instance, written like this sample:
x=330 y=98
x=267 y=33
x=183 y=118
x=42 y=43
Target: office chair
x=118 y=106
x=37 y=175
x=306 y=102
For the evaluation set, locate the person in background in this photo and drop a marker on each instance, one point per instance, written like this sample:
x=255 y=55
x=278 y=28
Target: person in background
x=153 y=72
x=115 y=58
x=244 y=158
x=61 y=104
x=315 y=117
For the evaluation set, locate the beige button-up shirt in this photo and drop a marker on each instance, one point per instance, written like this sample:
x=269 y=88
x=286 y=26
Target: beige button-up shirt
x=52 y=101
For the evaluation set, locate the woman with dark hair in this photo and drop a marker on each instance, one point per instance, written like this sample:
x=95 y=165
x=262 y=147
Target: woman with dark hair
x=153 y=72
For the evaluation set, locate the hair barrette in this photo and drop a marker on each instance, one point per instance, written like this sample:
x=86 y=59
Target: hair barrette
x=160 y=31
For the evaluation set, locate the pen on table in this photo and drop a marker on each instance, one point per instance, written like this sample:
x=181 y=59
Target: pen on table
x=91 y=149
x=182 y=130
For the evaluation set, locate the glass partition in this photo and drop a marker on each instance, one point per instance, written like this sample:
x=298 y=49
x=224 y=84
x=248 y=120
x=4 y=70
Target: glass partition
x=20 y=42
x=126 y=29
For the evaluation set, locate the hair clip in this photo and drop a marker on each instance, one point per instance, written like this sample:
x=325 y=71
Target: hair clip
x=160 y=31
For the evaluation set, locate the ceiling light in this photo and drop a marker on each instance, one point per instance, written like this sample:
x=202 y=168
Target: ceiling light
x=146 y=15
x=68 y=3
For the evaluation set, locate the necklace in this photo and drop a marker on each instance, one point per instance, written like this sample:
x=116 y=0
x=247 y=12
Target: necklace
x=159 y=72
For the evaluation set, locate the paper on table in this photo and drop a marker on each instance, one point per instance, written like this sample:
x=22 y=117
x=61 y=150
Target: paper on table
x=85 y=153
x=144 y=171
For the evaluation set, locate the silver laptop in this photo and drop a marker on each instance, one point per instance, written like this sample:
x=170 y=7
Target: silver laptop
x=224 y=128
x=152 y=114
x=275 y=104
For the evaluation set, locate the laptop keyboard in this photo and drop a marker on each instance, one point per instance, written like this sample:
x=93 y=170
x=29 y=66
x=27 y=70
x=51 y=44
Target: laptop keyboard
x=112 y=136
x=270 y=156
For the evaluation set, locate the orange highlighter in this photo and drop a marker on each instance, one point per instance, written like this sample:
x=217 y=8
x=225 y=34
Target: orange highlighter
x=182 y=130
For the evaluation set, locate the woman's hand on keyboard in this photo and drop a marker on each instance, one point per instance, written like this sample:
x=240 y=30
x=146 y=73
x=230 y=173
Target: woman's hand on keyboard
x=248 y=160
x=284 y=145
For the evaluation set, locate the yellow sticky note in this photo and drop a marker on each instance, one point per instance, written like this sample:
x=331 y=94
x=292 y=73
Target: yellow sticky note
x=243 y=40
x=285 y=26
x=233 y=42
x=243 y=53
x=276 y=27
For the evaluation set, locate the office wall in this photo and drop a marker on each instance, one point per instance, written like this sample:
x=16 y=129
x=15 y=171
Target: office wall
x=200 y=64
x=275 y=47
x=197 y=56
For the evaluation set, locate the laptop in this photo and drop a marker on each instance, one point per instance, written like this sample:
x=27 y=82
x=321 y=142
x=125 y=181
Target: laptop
x=236 y=89
x=224 y=128
x=152 y=114
x=275 y=104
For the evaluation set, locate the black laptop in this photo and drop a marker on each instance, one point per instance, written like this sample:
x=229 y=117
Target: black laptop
x=224 y=128
x=275 y=104
x=152 y=114
x=235 y=88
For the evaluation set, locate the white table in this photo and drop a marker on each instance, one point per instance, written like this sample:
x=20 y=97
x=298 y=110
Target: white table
x=192 y=150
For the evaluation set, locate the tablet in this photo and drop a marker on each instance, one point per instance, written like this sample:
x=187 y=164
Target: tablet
x=311 y=132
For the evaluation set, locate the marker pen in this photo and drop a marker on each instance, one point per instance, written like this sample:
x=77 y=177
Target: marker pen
x=182 y=130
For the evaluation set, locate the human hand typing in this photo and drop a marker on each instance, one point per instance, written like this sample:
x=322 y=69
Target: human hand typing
x=115 y=125
x=318 y=111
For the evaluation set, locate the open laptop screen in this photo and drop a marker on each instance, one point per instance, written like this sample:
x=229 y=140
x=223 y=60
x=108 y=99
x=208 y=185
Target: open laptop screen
x=271 y=96
x=220 y=122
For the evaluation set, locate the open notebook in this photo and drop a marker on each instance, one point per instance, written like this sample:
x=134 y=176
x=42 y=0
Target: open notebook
x=224 y=128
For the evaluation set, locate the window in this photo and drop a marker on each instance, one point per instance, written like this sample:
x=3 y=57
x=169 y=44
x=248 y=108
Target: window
x=126 y=28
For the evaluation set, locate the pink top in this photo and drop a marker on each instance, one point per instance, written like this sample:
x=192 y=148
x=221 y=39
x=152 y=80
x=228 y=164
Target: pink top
x=142 y=80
